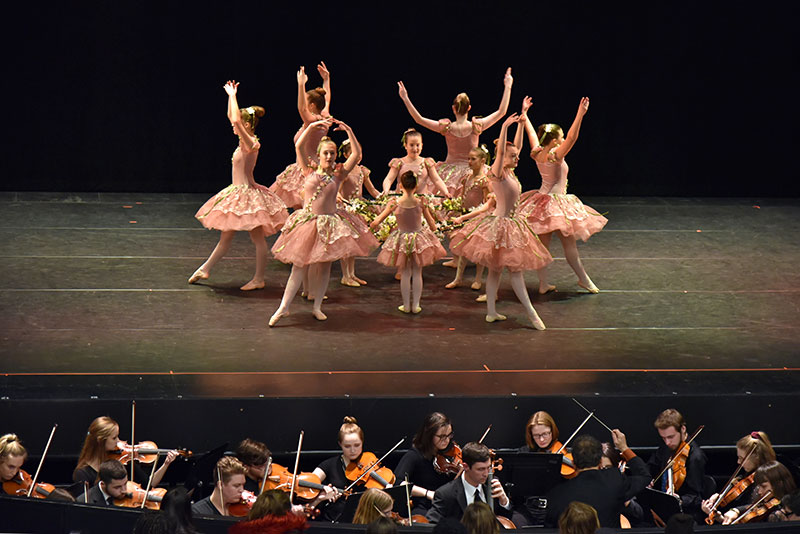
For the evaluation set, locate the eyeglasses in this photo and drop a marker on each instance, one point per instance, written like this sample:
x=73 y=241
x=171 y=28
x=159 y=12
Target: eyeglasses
x=543 y=435
x=445 y=436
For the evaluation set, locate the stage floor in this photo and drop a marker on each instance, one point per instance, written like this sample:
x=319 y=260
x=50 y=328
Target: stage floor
x=698 y=296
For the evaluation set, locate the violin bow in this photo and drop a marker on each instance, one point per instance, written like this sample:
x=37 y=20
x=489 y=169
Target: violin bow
x=408 y=502
x=759 y=501
x=564 y=446
x=85 y=492
x=296 y=463
x=266 y=474
x=149 y=482
x=373 y=464
x=729 y=484
x=46 y=448
x=485 y=434
x=219 y=485
x=677 y=453
x=133 y=441
x=593 y=415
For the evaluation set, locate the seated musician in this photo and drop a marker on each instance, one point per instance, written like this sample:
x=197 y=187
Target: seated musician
x=12 y=456
x=434 y=436
x=762 y=453
x=453 y=498
x=606 y=490
x=772 y=479
x=113 y=484
x=254 y=456
x=790 y=506
x=272 y=513
x=229 y=478
x=671 y=428
x=102 y=439
x=541 y=434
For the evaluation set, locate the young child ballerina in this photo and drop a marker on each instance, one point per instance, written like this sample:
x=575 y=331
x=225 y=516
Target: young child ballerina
x=550 y=209
x=502 y=239
x=244 y=205
x=312 y=105
x=423 y=168
x=353 y=188
x=473 y=191
x=460 y=135
x=316 y=235
x=411 y=246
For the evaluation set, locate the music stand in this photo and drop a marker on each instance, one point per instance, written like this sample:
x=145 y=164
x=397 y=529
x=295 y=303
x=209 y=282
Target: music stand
x=663 y=504
x=531 y=474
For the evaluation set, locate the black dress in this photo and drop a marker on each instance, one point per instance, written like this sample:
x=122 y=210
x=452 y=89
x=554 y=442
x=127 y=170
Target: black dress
x=421 y=473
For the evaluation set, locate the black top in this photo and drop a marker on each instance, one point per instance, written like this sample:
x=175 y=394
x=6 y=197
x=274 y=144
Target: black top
x=204 y=507
x=334 y=475
x=421 y=473
x=691 y=491
x=606 y=490
x=88 y=474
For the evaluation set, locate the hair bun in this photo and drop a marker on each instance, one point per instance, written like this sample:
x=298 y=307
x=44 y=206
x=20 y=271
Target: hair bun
x=755 y=435
x=259 y=111
x=349 y=420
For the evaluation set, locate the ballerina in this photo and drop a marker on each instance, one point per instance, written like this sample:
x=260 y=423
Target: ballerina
x=244 y=205
x=316 y=235
x=550 y=209
x=312 y=105
x=424 y=168
x=411 y=246
x=502 y=239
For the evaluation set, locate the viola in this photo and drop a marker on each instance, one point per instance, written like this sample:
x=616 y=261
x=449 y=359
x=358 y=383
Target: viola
x=22 y=485
x=759 y=511
x=567 y=462
x=242 y=508
x=307 y=487
x=145 y=452
x=135 y=495
x=448 y=461
x=366 y=469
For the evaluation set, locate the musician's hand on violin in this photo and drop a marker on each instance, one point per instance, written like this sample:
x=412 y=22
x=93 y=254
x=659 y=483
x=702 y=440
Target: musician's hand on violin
x=620 y=443
x=498 y=492
x=298 y=509
x=730 y=516
x=330 y=493
x=171 y=455
x=708 y=503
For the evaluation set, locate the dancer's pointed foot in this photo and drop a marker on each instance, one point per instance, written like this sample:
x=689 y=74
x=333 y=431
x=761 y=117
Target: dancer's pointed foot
x=455 y=283
x=476 y=285
x=359 y=280
x=450 y=263
x=536 y=321
x=349 y=282
x=253 y=284
x=481 y=298
x=589 y=286
x=495 y=317
x=318 y=315
x=277 y=316
x=547 y=288
x=403 y=309
x=199 y=274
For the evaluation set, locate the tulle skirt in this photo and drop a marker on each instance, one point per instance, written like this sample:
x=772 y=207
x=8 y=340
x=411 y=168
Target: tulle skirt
x=289 y=186
x=310 y=238
x=455 y=174
x=400 y=247
x=499 y=242
x=565 y=213
x=243 y=208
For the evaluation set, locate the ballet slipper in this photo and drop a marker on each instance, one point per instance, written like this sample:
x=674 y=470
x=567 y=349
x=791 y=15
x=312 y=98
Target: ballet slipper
x=546 y=289
x=496 y=317
x=481 y=298
x=359 y=280
x=303 y=294
x=455 y=283
x=318 y=315
x=349 y=282
x=199 y=274
x=398 y=276
x=450 y=263
x=253 y=284
x=277 y=316
x=403 y=309
x=536 y=321
x=476 y=285
x=311 y=297
x=416 y=310
x=589 y=286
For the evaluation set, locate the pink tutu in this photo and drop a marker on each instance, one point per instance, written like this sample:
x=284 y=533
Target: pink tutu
x=243 y=208
x=289 y=186
x=455 y=174
x=400 y=247
x=564 y=213
x=310 y=238
x=498 y=242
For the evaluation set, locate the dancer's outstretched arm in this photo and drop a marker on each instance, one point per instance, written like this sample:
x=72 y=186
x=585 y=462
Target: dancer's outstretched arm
x=249 y=141
x=355 y=152
x=574 y=130
x=390 y=206
x=434 y=174
x=419 y=119
x=326 y=85
x=492 y=118
x=302 y=150
x=500 y=155
x=368 y=184
x=302 y=104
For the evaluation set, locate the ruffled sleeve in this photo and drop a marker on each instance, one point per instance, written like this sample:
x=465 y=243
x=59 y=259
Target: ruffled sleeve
x=396 y=163
x=444 y=125
x=429 y=162
x=477 y=126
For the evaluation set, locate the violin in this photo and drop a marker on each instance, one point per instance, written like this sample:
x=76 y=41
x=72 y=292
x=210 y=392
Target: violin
x=567 y=462
x=22 y=486
x=448 y=461
x=759 y=511
x=367 y=470
x=145 y=452
x=135 y=496
x=677 y=464
x=307 y=487
x=403 y=521
x=732 y=494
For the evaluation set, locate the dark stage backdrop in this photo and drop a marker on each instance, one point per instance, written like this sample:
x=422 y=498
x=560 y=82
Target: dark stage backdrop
x=687 y=99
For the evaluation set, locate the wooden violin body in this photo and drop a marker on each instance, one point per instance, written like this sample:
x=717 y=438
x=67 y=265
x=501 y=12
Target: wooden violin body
x=145 y=452
x=448 y=461
x=307 y=487
x=21 y=484
x=136 y=495
x=368 y=471
x=567 y=462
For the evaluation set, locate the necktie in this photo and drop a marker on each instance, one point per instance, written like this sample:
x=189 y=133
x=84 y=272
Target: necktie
x=110 y=501
x=477 y=497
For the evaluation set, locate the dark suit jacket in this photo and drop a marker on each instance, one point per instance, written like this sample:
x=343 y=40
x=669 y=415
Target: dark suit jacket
x=604 y=489
x=691 y=492
x=96 y=497
x=451 y=501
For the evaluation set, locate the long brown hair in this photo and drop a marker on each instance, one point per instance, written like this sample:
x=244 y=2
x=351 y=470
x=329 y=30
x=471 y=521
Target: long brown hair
x=763 y=453
x=93 y=451
x=423 y=439
x=778 y=476
x=371 y=506
x=480 y=519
